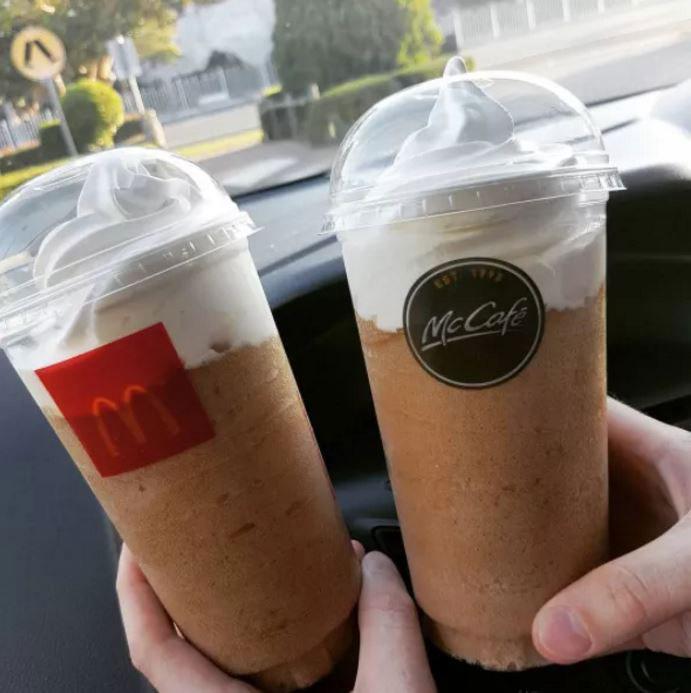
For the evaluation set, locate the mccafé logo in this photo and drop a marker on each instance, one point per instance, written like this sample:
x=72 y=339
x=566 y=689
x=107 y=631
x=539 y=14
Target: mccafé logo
x=129 y=402
x=483 y=321
x=474 y=323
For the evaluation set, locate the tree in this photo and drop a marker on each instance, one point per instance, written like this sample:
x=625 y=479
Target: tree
x=154 y=39
x=85 y=26
x=422 y=38
x=328 y=42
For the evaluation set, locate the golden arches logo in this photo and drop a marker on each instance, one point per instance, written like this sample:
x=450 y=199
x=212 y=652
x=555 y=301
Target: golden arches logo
x=101 y=405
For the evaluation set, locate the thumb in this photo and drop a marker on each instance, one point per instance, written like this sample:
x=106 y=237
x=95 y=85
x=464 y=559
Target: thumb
x=392 y=653
x=616 y=603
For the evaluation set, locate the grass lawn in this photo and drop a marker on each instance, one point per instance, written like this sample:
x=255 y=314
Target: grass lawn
x=12 y=180
x=221 y=145
x=196 y=152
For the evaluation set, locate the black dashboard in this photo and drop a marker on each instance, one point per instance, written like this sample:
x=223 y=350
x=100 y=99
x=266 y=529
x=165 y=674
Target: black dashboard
x=59 y=624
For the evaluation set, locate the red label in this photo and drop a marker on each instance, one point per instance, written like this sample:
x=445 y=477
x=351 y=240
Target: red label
x=129 y=402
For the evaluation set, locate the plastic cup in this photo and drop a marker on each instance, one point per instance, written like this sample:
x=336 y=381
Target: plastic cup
x=133 y=312
x=471 y=212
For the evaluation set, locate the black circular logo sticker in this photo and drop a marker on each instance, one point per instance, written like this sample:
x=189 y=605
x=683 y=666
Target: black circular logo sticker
x=475 y=322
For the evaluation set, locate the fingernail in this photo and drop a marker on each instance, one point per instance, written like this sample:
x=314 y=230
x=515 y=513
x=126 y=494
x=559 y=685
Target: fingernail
x=561 y=632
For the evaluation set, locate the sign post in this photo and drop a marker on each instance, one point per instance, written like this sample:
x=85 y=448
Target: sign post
x=127 y=67
x=39 y=55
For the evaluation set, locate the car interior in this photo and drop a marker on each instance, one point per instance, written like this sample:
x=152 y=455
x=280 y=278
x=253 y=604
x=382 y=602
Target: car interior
x=60 y=628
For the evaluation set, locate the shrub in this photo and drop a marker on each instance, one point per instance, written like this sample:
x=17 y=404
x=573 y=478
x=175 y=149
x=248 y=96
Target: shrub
x=94 y=112
x=131 y=131
x=331 y=116
x=29 y=156
x=52 y=142
x=431 y=70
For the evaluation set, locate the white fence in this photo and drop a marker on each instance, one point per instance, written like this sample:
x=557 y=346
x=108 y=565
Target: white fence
x=17 y=132
x=215 y=88
x=484 y=23
x=174 y=99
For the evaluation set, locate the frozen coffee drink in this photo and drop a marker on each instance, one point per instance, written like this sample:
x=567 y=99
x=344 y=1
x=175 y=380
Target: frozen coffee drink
x=133 y=312
x=471 y=212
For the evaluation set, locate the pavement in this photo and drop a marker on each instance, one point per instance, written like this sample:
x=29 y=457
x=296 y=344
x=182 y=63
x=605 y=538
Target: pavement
x=604 y=58
x=209 y=126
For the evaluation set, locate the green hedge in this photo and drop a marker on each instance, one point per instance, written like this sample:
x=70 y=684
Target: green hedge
x=51 y=147
x=29 y=156
x=52 y=141
x=431 y=70
x=331 y=116
x=334 y=113
x=327 y=119
x=94 y=112
x=131 y=131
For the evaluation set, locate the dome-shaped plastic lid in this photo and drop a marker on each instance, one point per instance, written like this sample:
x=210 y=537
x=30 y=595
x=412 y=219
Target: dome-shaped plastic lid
x=466 y=142
x=125 y=213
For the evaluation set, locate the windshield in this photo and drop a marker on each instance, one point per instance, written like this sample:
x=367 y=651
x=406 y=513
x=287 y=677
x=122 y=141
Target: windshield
x=261 y=92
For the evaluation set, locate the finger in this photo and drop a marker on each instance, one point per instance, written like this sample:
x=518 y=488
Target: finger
x=654 y=447
x=392 y=652
x=619 y=601
x=359 y=549
x=672 y=637
x=635 y=432
x=171 y=664
x=646 y=479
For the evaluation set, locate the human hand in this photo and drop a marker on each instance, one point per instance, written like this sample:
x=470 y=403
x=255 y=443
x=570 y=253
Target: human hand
x=392 y=656
x=643 y=597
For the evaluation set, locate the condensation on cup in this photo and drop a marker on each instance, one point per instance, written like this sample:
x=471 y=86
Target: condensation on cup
x=133 y=312
x=471 y=212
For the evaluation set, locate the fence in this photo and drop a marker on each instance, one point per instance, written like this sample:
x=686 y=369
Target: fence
x=484 y=23
x=16 y=132
x=179 y=97
x=215 y=88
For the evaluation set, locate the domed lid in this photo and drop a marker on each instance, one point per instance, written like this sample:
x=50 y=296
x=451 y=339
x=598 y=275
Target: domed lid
x=125 y=214
x=466 y=142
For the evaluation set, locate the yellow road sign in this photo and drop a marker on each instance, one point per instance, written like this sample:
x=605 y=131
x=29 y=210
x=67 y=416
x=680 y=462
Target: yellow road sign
x=37 y=53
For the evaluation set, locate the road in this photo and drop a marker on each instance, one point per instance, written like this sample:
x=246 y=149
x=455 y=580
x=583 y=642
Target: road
x=641 y=50
x=598 y=59
x=213 y=125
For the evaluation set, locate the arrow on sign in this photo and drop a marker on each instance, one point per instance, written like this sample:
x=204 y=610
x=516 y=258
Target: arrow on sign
x=39 y=45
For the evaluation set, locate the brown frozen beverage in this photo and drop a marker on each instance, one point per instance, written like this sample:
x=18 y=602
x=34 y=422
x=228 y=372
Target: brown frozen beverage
x=167 y=382
x=480 y=306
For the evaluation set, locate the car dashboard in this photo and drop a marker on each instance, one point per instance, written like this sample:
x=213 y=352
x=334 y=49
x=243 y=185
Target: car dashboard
x=59 y=624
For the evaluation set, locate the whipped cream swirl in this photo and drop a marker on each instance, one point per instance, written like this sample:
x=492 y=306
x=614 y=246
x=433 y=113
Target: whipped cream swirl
x=123 y=260
x=470 y=139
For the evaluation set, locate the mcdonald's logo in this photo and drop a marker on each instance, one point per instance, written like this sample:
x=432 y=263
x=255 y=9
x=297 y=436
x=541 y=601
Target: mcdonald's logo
x=130 y=402
x=129 y=418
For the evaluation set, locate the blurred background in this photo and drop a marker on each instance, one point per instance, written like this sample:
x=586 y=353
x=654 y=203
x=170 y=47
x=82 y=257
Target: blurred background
x=261 y=92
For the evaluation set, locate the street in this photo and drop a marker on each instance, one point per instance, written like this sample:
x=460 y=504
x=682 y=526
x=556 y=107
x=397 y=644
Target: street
x=212 y=125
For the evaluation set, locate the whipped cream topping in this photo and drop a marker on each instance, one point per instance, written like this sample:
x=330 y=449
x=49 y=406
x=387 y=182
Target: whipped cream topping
x=132 y=205
x=560 y=246
x=470 y=138
x=127 y=205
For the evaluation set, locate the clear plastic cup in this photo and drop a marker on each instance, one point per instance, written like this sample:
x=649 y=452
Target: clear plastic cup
x=132 y=310
x=471 y=212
